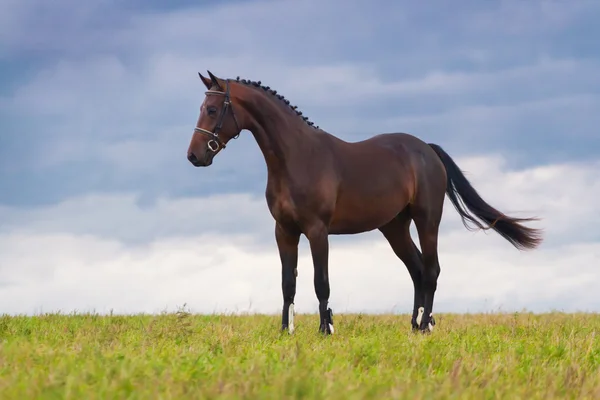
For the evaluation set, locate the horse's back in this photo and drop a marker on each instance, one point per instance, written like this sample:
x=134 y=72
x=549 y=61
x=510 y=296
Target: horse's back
x=392 y=148
x=376 y=181
x=401 y=160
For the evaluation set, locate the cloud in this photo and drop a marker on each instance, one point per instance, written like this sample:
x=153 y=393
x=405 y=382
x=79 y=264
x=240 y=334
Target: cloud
x=109 y=99
x=123 y=129
x=220 y=274
x=218 y=253
x=98 y=103
x=564 y=195
x=168 y=84
x=123 y=218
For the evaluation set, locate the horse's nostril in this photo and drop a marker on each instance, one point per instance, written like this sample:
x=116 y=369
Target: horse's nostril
x=192 y=157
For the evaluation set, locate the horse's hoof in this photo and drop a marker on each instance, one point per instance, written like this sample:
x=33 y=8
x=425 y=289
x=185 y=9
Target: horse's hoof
x=431 y=323
x=327 y=329
x=427 y=328
x=326 y=326
x=414 y=325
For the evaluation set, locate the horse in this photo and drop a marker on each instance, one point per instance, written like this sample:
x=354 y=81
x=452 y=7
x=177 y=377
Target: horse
x=320 y=185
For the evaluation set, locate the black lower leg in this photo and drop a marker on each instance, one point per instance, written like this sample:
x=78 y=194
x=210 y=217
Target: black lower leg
x=418 y=302
x=415 y=269
x=430 y=277
x=319 y=246
x=287 y=242
x=326 y=318
x=288 y=284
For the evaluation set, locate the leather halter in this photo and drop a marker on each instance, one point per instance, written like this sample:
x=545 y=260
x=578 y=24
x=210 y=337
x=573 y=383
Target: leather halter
x=215 y=142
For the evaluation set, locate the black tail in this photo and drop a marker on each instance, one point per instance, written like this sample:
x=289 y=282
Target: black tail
x=469 y=205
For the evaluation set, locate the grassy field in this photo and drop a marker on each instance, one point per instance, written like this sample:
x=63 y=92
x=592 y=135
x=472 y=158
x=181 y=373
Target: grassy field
x=509 y=356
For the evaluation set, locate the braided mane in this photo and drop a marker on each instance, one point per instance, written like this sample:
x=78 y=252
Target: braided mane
x=277 y=95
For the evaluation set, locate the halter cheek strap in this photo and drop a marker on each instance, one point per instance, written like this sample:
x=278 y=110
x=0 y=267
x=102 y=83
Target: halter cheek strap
x=215 y=142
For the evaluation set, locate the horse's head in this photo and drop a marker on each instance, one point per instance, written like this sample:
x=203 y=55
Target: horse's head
x=217 y=123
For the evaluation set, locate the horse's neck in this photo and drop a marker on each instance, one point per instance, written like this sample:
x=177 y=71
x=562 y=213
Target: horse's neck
x=279 y=135
x=280 y=146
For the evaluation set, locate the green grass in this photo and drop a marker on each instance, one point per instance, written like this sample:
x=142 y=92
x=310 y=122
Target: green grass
x=508 y=356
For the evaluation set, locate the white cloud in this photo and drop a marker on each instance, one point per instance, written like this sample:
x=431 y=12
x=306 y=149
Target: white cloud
x=102 y=252
x=67 y=272
x=122 y=217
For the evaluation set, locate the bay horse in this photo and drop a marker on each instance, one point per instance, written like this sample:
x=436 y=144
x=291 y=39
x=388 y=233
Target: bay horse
x=319 y=185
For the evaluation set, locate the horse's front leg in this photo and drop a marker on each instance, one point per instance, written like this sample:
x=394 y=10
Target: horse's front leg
x=287 y=243
x=317 y=236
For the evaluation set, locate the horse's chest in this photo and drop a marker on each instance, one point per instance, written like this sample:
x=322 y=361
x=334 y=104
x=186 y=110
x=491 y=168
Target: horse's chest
x=281 y=206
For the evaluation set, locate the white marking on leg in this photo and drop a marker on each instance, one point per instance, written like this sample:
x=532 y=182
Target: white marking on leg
x=291 y=319
x=331 y=328
x=420 y=315
x=430 y=324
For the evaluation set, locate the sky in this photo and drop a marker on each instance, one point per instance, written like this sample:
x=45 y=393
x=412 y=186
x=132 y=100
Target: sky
x=101 y=211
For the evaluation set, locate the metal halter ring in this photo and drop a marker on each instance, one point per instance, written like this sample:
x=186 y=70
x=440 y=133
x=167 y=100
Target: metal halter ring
x=213 y=145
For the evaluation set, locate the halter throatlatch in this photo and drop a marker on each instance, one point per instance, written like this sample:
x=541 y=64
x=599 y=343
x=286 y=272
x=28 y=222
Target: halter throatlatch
x=215 y=142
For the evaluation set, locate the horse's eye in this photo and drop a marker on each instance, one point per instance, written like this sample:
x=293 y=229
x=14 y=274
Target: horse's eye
x=212 y=110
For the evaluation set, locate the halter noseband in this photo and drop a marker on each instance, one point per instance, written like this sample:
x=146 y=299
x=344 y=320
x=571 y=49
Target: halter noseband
x=215 y=142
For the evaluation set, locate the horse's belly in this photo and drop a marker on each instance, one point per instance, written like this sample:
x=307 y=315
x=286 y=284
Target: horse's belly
x=352 y=216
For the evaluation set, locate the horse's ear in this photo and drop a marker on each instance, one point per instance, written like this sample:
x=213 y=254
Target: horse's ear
x=214 y=80
x=207 y=82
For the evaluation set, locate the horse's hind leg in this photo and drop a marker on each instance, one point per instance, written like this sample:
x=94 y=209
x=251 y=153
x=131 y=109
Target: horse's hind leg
x=397 y=233
x=427 y=219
